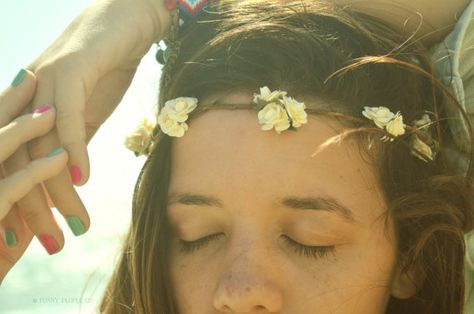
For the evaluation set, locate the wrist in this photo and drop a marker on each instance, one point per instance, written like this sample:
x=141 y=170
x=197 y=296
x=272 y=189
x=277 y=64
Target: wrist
x=161 y=17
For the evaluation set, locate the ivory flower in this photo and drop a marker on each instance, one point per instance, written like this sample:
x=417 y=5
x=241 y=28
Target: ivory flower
x=295 y=111
x=396 y=127
x=174 y=114
x=422 y=123
x=267 y=96
x=380 y=115
x=274 y=115
x=170 y=126
x=139 y=140
x=179 y=108
x=420 y=149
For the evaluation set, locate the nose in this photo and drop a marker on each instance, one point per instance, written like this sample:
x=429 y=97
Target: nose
x=248 y=286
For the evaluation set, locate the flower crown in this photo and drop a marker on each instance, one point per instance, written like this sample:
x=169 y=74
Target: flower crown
x=278 y=111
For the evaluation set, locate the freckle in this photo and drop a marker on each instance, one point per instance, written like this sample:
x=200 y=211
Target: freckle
x=248 y=289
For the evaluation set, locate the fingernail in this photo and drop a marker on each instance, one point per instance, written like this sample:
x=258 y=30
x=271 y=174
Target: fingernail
x=49 y=244
x=55 y=152
x=42 y=109
x=76 y=225
x=18 y=78
x=76 y=174
x=10 y=238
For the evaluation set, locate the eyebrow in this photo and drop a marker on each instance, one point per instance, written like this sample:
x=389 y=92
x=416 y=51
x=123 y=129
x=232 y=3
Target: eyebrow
x=302 y=203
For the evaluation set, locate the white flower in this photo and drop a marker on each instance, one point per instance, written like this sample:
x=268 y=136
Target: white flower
x=267 y=96
x=139 y=140
x=179 y=108
x=380 y=115
x=274 y=115
x=174 y=114
x=420 y=149
x=295 y=111
x=170 y=126
x=396 y=127
x=422 y=123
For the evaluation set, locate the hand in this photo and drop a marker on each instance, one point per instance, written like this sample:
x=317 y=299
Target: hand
x=16 y=233
x=84 y=75
x=87 y=70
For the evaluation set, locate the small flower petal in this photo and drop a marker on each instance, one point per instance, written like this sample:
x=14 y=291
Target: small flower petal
x=170 y=126
x=174 y=114
x=422 y=123
x=396 y=127
x=274 y=115
x=420 y=149
x=380 y=115
x=140 y=139
x=178 y=109
x=267 y=96
x=296 y=111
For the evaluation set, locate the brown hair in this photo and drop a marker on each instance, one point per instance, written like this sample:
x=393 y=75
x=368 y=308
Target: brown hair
x=298 y=46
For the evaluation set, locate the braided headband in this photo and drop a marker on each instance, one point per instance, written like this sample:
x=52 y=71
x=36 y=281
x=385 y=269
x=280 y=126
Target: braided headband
x=279 y=112
x=275 y=109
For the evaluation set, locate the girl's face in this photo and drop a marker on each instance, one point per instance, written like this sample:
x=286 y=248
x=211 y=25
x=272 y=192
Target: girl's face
x=274 y=230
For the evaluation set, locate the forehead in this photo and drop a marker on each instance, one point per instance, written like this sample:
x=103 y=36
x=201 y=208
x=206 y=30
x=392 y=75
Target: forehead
x=225 y=150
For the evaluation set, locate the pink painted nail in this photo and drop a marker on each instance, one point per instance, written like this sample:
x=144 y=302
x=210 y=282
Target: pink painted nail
x=42 y=109
x=49 y=244
x=76 y=174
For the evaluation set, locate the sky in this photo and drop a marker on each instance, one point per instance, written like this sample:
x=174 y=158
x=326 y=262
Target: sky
x=73 y=280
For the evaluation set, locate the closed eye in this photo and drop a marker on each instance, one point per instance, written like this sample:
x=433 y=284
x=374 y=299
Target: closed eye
x=316 y=252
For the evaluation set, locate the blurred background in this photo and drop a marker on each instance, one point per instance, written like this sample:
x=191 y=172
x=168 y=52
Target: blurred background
x=73 y=280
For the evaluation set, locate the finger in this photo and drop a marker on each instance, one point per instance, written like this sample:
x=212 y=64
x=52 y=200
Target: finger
x=34 y=207
x=70 y=100
x=68 y=203
x=14 y=187
x=61 y=191
x=48 y=198
x=25 y=128
x=16 y=238
x=15 y=98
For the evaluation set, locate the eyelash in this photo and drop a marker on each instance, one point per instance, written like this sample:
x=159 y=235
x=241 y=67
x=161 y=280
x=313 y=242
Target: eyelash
x=316 y=252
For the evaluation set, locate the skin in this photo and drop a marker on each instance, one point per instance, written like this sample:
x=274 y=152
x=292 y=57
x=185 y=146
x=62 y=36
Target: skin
x=248 y=267
x=85 y=72
x=15 y=130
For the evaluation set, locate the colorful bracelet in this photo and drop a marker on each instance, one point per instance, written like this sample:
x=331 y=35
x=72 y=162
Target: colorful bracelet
x=184 y=14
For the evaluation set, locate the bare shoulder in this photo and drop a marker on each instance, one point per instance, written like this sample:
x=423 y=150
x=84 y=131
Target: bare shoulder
x=438 y=16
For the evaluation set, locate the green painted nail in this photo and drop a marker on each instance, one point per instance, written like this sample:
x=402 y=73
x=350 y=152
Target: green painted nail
x=56 y=152
x=10 y=237
x=19 y=78
x=76 y=225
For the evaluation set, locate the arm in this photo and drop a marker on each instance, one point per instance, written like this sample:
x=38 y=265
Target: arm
x=439 y=17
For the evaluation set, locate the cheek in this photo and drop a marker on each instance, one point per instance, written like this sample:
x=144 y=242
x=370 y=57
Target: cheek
x=364 y=273
x=356 y=280
x=193 y=282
